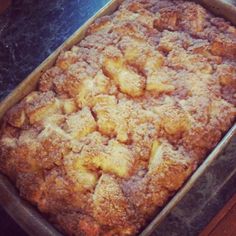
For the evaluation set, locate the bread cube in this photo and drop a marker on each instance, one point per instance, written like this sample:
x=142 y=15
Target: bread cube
x=17 y=116
x=106 y=124
x=40 y=105
x=80 y=124
x=117 y=159
x=227 y=75
x=221 y=114
x=47 y=79
x=193 y=17
x=102 y=24
x=85 y=93
x=167 y=18
x=224 y=47
x=155 y=152
x=141 y=55
x=90 y=88
x=169 y=167
x=66 y=59
x=128 y=81
x=42 y=112
x=68 y=106
x=85 y=179
x=111 y=117
x=101 y=82
x=174 y=120
x=109 y=204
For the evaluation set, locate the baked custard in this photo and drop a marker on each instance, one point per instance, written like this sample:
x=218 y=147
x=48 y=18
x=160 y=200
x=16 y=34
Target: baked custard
x=124 y=117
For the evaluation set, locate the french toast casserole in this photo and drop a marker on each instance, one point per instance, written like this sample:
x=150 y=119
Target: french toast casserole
x=124 y=117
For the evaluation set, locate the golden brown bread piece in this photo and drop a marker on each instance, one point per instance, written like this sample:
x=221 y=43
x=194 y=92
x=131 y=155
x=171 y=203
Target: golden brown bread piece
x=124 y=117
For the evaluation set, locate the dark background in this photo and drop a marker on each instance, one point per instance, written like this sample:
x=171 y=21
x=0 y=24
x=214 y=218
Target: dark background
x=32 y=29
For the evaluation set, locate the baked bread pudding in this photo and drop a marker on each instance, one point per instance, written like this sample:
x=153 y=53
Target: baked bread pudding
x=124 y=117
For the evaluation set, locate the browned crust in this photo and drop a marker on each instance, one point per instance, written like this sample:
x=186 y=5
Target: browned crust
x=123 y=118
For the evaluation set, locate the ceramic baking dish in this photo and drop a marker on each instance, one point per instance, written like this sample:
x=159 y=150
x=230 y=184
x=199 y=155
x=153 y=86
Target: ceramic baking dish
x=24 y=213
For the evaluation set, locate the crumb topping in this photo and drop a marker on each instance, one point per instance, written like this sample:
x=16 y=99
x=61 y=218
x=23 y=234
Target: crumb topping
x=124 y=117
